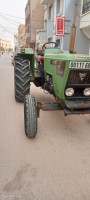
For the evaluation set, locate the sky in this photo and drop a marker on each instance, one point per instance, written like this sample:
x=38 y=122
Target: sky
x=9 y=25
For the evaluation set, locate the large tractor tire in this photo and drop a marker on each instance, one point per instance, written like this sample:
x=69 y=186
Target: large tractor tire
x=30 y=116
x=21 y=78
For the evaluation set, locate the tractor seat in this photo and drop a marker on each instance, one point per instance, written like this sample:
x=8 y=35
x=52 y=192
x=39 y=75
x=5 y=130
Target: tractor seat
x=41 y=58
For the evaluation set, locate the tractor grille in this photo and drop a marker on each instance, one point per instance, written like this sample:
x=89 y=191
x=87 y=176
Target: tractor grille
x=79 y=77
x=78 y=80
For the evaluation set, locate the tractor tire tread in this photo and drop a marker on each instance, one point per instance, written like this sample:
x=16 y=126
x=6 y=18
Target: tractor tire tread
x=21 y=78
x=30 y=116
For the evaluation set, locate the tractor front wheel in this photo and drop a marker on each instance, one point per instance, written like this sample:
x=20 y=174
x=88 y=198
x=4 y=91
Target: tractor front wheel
x=30 y=116
x=21 y=78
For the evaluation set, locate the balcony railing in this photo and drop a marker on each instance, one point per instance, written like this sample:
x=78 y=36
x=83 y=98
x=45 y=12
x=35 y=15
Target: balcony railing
x=86 y=8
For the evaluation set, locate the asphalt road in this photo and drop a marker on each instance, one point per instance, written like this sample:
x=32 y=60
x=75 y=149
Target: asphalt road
x=53 y=166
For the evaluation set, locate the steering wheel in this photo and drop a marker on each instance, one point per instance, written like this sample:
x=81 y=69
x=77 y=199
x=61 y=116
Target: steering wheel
x=45 y=45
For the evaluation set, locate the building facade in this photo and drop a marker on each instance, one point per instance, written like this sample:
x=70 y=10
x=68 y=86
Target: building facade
x=5 y=45
x=66 y=8
x=15 y=41
x=41 y=34
x=34 y=19
x=85 y=20
x=21 y=35
x=55 y=8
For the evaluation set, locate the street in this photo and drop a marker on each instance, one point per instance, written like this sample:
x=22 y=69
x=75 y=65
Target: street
x=53 y=166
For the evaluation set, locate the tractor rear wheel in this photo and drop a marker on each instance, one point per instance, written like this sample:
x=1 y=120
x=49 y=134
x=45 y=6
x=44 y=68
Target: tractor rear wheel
x=30 y=116
x=21 y=78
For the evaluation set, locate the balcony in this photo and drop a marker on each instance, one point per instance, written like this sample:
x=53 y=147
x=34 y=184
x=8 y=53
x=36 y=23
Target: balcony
x=85 y=24
x=41 y=36
x=86 y=7
x=45 y=1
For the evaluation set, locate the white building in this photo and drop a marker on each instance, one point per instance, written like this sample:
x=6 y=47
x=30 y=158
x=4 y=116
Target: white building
x=65 y=8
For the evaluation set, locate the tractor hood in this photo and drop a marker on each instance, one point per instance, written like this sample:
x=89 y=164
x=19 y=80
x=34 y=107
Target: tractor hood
x=65 y=55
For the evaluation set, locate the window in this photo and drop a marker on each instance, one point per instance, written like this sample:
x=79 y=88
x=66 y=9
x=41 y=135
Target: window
x=21 y=39
x=28 y=29
x=58 y=7
x=50 y=39
x=86 y=6
x=28 y=9
x=58 y=42
x=50 y=14
x=45 y=24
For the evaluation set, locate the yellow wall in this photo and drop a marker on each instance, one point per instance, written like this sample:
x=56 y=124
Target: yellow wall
x=5 y=44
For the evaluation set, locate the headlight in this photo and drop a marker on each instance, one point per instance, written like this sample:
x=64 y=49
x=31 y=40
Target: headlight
x=69 y=92
x=87 y=92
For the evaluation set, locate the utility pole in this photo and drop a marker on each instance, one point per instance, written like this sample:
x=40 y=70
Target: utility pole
x=73 y=29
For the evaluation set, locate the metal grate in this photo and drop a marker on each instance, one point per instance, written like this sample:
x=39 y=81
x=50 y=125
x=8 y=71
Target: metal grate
x=86 y=7
x=79 y=77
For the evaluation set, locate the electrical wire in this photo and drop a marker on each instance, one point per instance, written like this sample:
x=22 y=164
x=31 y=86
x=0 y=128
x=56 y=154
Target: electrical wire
x=48 y=21
x=11 y=15
x=6 y=30
x=5 y=18
x=1 y=13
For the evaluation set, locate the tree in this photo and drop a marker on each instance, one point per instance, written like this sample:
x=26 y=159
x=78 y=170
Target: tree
x=2 y=49
x=10 y=49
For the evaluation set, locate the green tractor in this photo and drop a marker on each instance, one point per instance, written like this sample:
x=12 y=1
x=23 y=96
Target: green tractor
x=64 y=75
